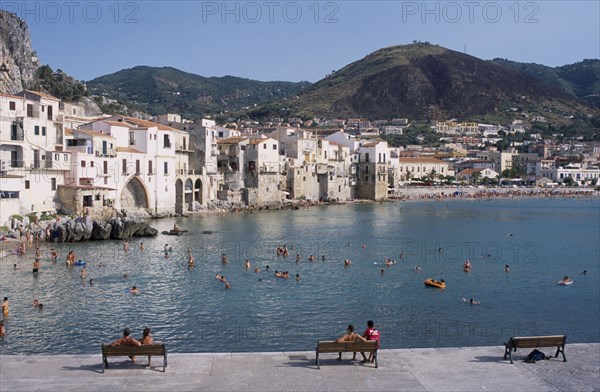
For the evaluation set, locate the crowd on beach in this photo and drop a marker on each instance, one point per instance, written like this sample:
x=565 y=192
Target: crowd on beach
x=495 y=193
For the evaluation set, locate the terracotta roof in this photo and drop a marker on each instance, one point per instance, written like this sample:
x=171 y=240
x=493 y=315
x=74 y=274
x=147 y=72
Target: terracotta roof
x=258 y=141
x=10 y=96
x=232 y=140
x=43 y=95
x=115 y=123
x=68 y=131
x=147 y=124
x=468 y=172
x=88 y=187
x=128 y=149
x=94 y=133
x=419 y=160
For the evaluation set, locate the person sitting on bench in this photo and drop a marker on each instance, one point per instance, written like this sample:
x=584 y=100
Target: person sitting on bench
x=127 y=340
x=349 y=336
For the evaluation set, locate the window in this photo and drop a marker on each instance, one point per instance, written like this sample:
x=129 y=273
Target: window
x=66 y=157
x=82 y=163
x=97 y=197
x=243 y=148
x=124 y=166
x=12 y=105
x=50 y=112
x=53 y=184
x=105 y=167
x=36 y=130
x=26 y=184
x=166 y=168
x=29 y=110
x=44 y=130
x=166 y=142
x=74 y=111
x=92 y=164
x=264 y=146
x=149 y=167
x=57 y=157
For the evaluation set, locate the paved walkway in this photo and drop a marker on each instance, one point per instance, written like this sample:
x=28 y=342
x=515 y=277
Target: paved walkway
x=446 y=369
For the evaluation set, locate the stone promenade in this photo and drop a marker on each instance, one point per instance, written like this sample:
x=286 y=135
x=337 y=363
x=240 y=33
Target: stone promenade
x=444 y=369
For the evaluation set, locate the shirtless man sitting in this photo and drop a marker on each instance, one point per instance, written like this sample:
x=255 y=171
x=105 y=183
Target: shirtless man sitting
x=127 y=340
x=349 y=336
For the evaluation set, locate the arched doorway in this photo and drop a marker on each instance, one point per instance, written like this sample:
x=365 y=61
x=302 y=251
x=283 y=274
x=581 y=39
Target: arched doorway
x=179 y=197
x=189 y=195
x=134 y=195
x=198 y=191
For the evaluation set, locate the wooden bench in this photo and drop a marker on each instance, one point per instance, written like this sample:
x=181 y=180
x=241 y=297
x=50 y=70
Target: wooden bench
x=346 y=347
x=124 y=350
x=515 y=342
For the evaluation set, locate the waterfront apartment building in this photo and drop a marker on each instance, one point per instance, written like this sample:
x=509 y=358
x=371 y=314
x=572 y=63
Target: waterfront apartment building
x=55 y=158
x=580 y=173
x=33 y=159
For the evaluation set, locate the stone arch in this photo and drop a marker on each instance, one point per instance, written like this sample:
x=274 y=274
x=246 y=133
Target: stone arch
x=198 y=191
x=179 y=197
x=189 y=194
x=134 y=195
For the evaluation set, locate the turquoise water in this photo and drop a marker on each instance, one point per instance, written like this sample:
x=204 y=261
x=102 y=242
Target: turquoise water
x=542 y=240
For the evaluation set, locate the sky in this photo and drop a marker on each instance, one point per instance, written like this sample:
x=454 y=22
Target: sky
x=297 y=40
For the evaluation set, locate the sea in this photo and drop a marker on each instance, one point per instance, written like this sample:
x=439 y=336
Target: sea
x=540 y=240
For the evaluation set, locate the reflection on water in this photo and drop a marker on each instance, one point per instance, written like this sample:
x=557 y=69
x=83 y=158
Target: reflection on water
x=541 y=240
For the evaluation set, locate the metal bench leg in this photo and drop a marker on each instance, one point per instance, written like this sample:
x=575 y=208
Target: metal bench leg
x=317 y=360
x=510 y=356
x=562 y=351
x=376 y=363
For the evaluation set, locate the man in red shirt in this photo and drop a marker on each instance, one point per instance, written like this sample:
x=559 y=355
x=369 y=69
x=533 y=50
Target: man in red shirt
x=370 y=334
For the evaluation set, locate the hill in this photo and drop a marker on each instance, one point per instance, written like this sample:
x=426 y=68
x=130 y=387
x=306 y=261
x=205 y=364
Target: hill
x=169 y=90
x=426 y=81
x=18 y=60
x=581 y=79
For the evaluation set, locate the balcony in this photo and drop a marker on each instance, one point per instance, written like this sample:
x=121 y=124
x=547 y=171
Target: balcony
x=109 y=154
x=183 y=172
x=183 y=149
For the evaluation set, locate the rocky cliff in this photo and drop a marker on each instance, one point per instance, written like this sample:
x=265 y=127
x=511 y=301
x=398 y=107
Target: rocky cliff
x=18 y=60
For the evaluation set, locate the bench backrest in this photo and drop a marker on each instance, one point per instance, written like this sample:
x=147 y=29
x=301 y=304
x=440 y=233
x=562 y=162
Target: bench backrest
x=333 y=347
x=126 y=350
x=537 y=341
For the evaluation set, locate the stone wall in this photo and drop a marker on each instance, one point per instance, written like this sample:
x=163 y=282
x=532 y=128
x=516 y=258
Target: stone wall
x=372 y=181
x=303 y=182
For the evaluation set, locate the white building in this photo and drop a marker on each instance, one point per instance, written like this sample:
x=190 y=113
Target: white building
x=33 y=160
x=578 y=172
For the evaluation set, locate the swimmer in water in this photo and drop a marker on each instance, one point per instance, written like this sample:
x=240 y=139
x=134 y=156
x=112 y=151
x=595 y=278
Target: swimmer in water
x=134 y=290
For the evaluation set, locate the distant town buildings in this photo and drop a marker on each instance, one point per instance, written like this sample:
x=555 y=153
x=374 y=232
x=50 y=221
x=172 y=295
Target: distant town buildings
x=53 y=157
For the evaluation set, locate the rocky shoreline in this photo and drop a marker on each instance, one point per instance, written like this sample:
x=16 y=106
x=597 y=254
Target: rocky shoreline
x=61 y=229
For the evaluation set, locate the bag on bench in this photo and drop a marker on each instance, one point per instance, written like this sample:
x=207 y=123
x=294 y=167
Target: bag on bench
x=535 y=355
